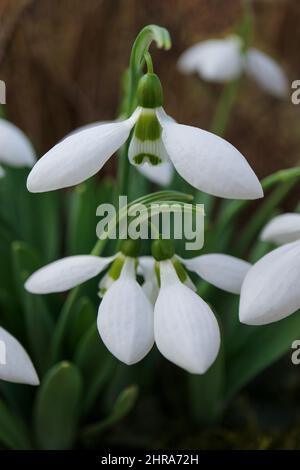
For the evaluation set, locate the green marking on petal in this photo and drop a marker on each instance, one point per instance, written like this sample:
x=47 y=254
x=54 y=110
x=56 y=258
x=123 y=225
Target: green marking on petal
x=116 y=268
x=153 y=159
x=180 y=271
x=147 y=126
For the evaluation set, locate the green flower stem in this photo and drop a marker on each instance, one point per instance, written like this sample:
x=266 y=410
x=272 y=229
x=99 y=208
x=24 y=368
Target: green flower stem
x=227 y=100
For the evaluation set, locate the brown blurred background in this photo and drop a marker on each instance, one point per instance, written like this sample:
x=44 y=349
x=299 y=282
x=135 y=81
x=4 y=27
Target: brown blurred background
x=62 y=61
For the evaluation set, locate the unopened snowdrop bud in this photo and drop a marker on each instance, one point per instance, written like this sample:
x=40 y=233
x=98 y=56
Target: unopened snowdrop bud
x=15 y=364
x=125 y=318
x=185 y=328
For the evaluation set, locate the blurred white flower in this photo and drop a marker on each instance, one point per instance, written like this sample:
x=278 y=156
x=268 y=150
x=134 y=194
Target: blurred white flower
x=221 y=60
x=206 y=161
x=15 y=364
x=271 y=289
x=15 y=148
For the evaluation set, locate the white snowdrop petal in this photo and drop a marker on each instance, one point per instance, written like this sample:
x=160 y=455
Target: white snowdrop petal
x=267 y=73
x=15 y=147
x=146 y=266
x=150 y=288
x=66 y=273
x=284 y=228
x=146 y=269
x=210 y=163
x=223 y=271
x=185 y=328
x=125 y=319
x=216 y=60
x=159 y=174
x=271 y=289
x=90 y=125
x=15 y=364
x=79 y=156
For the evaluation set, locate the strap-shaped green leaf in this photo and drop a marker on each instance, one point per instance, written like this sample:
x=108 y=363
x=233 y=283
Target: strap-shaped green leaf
x=124 y=404
x=13 y=432
x=57 y=407
x=38 y=321
x=84 y=317
x=261 y=347
x=96 y=364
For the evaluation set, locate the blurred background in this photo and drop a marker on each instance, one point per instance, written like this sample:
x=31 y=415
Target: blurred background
x=62 y=61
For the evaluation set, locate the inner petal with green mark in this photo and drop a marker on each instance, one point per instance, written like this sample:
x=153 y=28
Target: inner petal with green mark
x=146 y=145
x=112 y=275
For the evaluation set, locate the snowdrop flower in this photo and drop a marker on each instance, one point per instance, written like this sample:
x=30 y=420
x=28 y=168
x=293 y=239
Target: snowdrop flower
x=221 y=60
x=15 y=364
x=15 y=149
x=206 y=161
x=125 y=317
x=185 y=329
x=271 y=289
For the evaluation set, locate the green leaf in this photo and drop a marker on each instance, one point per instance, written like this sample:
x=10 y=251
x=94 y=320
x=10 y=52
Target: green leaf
x=96 y=364
x=57 y=409
x=83 y=221
x=124 y=404
x=33 y=218
x=262 y=346
x=84 y=317
x=45 y=223
x=205 y=392
x=13 y=432
x=38 y=321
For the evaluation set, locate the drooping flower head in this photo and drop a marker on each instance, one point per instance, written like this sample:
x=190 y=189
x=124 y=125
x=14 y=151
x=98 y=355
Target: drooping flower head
x=206 y=161
x=165 y=308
